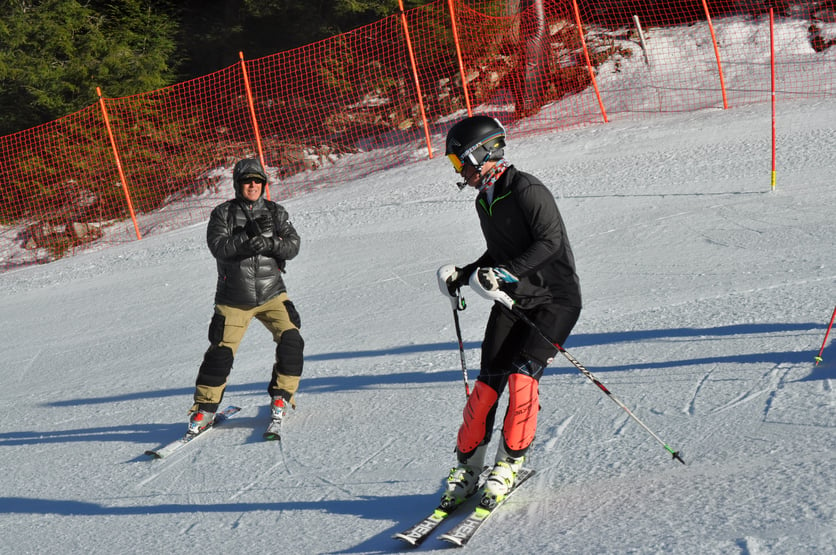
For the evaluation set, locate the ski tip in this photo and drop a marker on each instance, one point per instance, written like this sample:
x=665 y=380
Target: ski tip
x=153 y=454
x=272 y=437
x=451 y=539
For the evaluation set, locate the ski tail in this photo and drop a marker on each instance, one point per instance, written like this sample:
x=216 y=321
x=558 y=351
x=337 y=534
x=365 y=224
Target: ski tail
x=273 y=432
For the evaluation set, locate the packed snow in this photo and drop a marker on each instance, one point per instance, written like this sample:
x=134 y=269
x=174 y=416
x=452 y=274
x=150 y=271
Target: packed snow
x=706 y=298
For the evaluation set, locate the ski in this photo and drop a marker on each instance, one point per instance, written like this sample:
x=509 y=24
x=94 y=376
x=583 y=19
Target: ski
x=460 y=534
x=167 y=450
x=422 y=529
x=273 y=431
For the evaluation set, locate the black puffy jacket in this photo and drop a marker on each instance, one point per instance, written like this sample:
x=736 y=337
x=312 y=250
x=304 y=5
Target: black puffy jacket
x=245 y=279
x=525 y=233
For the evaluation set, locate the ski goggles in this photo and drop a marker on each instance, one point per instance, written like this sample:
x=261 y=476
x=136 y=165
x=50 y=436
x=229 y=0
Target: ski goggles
x=472 y=155
x=457 y=163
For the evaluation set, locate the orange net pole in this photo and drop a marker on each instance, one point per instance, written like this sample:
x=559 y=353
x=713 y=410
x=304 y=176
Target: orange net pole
x=588 y=61
x=824 y=341
x=122 y=179
x=772 y=87
x=256 y=131
x=459 y=55
x=716 y=54
x=417 y=81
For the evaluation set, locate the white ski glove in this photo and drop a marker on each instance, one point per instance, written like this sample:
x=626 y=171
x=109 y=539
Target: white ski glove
x=450 y=280
x=488 y=283
x=492 y=279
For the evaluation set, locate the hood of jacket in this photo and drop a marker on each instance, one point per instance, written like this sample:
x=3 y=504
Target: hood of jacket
x=247 y=168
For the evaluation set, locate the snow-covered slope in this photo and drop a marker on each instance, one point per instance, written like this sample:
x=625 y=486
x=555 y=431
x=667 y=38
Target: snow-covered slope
x=707 y=295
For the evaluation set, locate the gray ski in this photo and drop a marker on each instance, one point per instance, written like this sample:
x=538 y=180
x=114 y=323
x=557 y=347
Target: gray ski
x=273 y=431
x=167 y=450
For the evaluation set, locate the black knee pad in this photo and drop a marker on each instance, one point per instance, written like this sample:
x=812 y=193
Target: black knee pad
x=289 y=353
x=292 y=313
x=217 y=363
x=216 y=328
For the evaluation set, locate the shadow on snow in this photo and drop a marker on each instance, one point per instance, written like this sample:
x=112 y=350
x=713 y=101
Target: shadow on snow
x=151 y=432
x=366 y=507
x=319 y=384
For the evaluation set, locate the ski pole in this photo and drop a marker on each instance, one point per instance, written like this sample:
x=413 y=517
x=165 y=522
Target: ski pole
x=598 y=383
x=457 y=302
x=818 y=358
x=504 y=298
x=460 y=303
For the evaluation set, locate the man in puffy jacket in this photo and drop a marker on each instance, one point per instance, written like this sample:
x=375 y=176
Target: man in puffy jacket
x=251 y=238
x=529 y=261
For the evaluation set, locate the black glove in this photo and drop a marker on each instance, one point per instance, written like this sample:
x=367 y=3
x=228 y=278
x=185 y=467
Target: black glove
x=252 y=229
x=265 y=225
x=259 y=244
x=456 y=280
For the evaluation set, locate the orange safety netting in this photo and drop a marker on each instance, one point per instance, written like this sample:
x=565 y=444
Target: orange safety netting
x=384 y=95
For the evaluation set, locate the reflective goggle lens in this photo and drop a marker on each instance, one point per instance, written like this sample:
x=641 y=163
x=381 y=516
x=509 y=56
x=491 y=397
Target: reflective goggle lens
x=457 y=164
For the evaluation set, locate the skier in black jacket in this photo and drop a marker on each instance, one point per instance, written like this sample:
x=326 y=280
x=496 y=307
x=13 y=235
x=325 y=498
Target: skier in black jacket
x=251 y=239
x=529 y=258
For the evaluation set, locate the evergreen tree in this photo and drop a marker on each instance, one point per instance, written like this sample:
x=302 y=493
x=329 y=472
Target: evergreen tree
x=212 y=32
x=54 y=53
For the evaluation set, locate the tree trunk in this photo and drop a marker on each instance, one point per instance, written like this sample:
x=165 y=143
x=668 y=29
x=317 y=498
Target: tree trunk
x=534 y=59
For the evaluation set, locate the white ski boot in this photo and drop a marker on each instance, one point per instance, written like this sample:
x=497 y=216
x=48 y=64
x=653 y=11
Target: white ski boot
x=502 y=477
x=463 y=480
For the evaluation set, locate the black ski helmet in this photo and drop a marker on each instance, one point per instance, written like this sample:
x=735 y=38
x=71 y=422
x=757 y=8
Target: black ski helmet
x=248 y=168
x=475 y=140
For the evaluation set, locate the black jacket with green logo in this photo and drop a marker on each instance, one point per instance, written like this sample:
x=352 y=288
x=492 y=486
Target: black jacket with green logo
x=525 y=234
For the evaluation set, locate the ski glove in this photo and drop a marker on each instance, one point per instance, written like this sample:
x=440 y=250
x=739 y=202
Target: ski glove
x=488 y=284
x=450 y=280
x=251 y=228
x=259 y=244
x=492 y=279
x=265 y=225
